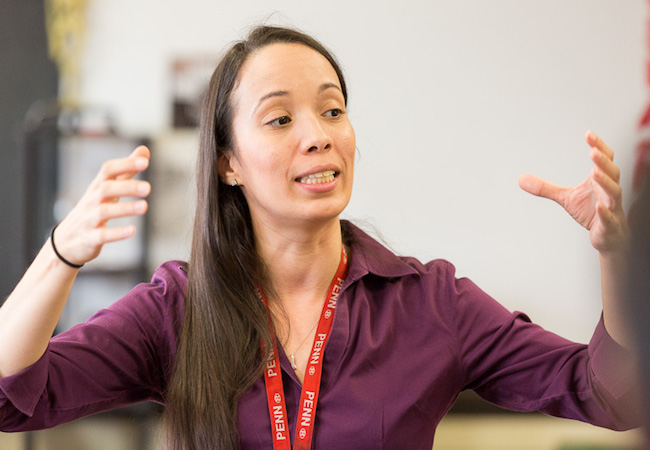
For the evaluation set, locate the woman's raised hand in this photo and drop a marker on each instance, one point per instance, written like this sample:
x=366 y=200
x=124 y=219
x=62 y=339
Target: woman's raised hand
x=596 y=203
x=80 y=237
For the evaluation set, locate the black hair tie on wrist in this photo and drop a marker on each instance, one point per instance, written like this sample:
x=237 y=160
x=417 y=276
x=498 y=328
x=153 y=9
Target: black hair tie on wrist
x=74 y=266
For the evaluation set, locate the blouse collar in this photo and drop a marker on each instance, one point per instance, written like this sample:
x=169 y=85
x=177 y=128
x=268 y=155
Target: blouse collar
x=371 y=257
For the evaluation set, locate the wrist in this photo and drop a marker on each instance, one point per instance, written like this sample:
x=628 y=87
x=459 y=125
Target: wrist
x=61 y=257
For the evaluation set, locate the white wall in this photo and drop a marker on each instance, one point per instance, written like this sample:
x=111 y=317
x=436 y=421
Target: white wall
x=451 y=100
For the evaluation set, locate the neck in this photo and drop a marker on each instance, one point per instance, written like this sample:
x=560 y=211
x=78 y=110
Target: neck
x=302 y=261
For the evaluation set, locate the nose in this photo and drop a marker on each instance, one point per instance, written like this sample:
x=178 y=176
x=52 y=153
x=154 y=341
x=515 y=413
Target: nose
x=315 y=135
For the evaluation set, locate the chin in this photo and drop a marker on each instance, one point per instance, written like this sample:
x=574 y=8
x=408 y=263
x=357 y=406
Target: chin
x=321 y=215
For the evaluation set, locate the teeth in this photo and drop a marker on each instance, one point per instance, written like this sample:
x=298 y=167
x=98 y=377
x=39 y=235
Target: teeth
x=326 y=176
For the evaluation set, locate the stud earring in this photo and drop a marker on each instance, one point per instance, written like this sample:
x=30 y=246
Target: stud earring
x=233 y=182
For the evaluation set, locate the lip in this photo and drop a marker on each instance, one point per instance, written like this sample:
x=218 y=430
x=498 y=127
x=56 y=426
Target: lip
x=319 y=187
x=317 y=169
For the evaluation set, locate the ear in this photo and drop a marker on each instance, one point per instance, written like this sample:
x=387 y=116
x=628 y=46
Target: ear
x=225 y=163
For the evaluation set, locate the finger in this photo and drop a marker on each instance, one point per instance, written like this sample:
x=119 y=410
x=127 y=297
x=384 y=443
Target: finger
x=105 y=235
x=606 y=216
x=108 y=211
x=540 y=187
x=112 y=190
x=605 y=164
x=140 y=152
x=595 y=141
x=128 y=166
x=612 y=190
x=125 y=168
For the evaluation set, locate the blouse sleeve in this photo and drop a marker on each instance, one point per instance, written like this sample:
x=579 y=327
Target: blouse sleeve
x=518 y=365
x=120 y=356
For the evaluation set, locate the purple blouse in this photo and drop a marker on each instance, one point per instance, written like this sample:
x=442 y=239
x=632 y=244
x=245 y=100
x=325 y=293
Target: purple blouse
x=407 y=338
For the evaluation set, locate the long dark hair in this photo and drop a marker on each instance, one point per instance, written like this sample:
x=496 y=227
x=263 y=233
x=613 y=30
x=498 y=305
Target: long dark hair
x=219 y=355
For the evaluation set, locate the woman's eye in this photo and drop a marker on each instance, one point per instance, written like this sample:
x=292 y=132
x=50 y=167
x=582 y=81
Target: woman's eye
x=283 y=120
x=333 y=112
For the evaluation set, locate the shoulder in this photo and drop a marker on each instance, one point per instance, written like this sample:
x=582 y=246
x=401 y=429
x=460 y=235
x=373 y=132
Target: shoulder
x=160 y=301
x=407 y=279
x=171 y=278
x=168 y=282
x=400 y=279
x=438 y=268
x=369 y=256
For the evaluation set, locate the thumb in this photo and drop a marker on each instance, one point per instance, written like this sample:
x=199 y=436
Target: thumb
x=540 y=187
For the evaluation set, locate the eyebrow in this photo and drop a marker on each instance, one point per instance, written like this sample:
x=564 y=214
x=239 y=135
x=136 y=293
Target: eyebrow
x=272 y=94
x=323 y=87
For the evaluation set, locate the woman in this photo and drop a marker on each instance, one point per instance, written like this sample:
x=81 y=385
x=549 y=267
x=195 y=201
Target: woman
x=373 y=348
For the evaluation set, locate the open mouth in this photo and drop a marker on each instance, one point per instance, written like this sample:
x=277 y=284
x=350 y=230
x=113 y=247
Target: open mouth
x=326 y=176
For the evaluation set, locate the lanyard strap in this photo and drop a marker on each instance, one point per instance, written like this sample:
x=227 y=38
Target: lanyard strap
x=311 y=383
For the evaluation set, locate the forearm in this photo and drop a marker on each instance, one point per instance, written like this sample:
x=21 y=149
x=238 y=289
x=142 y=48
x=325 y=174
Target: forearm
x=30 y=314
x=613 y=267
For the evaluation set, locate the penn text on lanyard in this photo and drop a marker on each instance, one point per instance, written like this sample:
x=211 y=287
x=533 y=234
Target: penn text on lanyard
x=311 y=383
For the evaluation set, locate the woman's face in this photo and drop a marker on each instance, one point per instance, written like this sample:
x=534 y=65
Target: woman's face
x=294 y=146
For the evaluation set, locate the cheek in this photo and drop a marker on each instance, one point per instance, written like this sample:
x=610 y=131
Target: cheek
x=255 y=157
x=348 y=143
x=266 y=168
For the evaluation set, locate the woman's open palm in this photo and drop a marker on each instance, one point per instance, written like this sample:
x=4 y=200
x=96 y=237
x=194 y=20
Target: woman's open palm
x=596 y=203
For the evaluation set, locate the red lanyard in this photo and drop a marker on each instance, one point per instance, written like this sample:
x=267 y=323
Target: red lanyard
x=311 y=384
